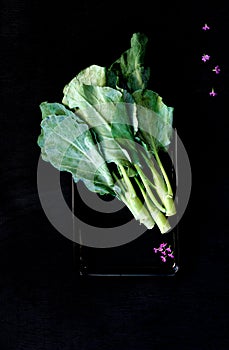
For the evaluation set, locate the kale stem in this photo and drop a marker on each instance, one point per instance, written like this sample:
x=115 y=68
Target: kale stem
x=120 y=184
x=160 y=186
x=127 y=181
x=145 y=181
x=169 y=187
x=156 y=214
x=132 y=201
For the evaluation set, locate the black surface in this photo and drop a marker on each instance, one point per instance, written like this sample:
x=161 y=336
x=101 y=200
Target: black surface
x=42 y=303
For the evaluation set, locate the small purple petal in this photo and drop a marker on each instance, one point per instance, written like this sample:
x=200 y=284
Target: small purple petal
x=163 y=258
x=171 y=256
x=164 y=253
x=162 y=245
x=155 y=250
x=169 y=250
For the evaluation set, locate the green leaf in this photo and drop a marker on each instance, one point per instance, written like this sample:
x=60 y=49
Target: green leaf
x=68 y=145
x=128 y=71
x=48 y=109
x=92 y=75
x=83 y=96
x=103 y=109
x=154 y=119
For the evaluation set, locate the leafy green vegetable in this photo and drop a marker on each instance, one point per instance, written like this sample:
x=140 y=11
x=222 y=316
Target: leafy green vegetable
x=108 y=132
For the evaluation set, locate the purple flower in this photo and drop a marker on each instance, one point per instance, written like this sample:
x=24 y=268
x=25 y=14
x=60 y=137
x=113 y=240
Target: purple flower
x=162 y=245
x=205 y=58
x=212 y=93
x=216 y=69
x=205 y=27
x=165 y=252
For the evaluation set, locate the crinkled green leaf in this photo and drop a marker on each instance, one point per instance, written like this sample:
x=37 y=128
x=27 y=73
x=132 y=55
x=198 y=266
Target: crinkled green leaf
x=83 y=96
x=48 y=109
x=128 y=71
x=99 y=108
x=68 y=145
x=154 y=119
x=92 y=75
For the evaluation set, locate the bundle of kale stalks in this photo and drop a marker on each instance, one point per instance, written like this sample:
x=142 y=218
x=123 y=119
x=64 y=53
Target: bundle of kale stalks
x=108 y=132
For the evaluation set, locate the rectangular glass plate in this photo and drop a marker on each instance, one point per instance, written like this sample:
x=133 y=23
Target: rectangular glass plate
x=136 y=258
x=147 y=255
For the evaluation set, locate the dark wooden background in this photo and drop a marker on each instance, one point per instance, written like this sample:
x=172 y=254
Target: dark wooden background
x=43 y=305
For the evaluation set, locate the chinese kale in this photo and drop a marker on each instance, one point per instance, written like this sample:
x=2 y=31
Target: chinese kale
x=108 y=132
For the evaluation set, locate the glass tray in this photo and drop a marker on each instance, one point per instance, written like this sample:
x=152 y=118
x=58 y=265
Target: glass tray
x=142 y=256
x=136 y=258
